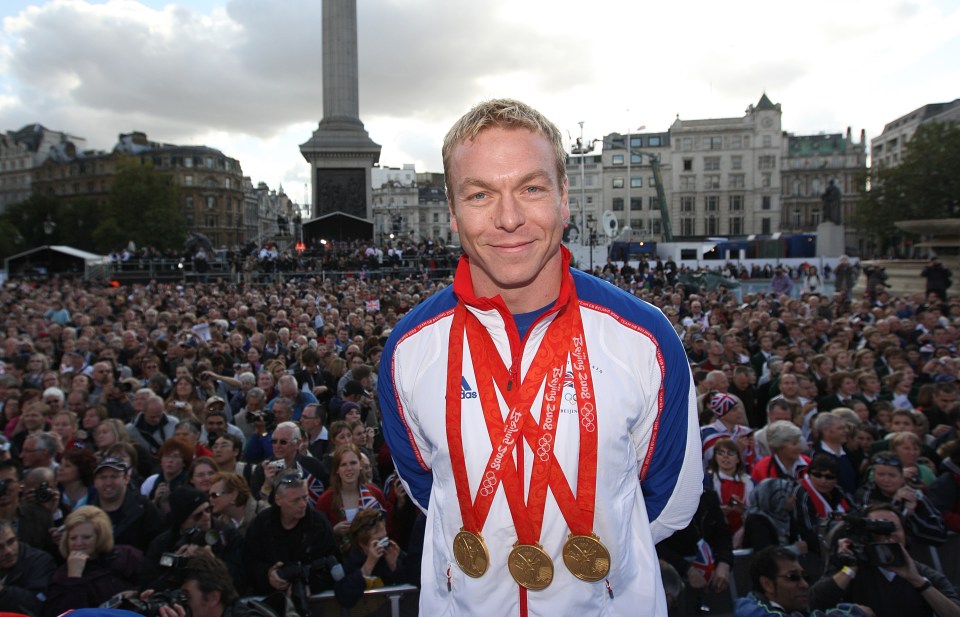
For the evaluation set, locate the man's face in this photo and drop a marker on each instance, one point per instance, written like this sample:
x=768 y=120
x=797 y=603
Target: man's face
x=790 y=588
x=200 y=604
x=215 y=424
x=9 y=549
x=101 y=373
x=509 y=206
x=31 y=455
x=293 y=502
x=284 y=444
x=111 y=485
x=789 y=386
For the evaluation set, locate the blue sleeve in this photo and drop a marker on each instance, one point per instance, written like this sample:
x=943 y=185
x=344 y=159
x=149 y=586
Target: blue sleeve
x=399 y=437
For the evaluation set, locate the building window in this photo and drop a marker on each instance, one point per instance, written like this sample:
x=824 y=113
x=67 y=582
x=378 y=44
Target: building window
x=688 y=183
x=618 y=204
x=735 y=142
x=737 y=181
x=617 y=183
x=589 y=200
x=736 y=225
x=736 y=203
x=711 y=182
x=767 y=161
x=655 y=226
x=764 y=226
x=211 y=202
x=636 y=203
x=654 y=203
x=736 y=162
x=209 y=163
x=711 y=163
x=436 y=217
x=636 y=159
x=636 y=182
x=590 y=180
x=765 y=204
x=188 y=161
x=653 y=141
x=687 y=203
x=687 y=164
x=686 y=227
x=636 y=141
x=713 y=226
x=636 y=223
x=188 y=180
x=766 y=180
x=767 y=141
x=686 y=143
x=713 y=143
x=617 y=159
x=711 y=203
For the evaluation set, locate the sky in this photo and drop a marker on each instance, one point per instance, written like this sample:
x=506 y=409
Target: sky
x=244 y=76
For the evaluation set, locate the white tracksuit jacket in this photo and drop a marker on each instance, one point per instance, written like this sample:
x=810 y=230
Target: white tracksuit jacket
x=649 y=475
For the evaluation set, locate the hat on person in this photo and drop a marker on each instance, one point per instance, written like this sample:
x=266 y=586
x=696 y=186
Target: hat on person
x=348 y=406
x=214 y=400
x=112 y=462
x=183 y=501
x=722 y=403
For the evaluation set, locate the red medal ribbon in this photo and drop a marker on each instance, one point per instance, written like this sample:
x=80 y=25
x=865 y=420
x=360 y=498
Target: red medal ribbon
x=564 y=338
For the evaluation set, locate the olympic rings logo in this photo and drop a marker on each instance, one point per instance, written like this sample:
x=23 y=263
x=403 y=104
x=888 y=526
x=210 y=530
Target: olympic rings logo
x=587 y=418
x=543 y=451
x=489 y=484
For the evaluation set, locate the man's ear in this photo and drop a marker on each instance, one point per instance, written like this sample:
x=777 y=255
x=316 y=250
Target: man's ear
x=768 y=584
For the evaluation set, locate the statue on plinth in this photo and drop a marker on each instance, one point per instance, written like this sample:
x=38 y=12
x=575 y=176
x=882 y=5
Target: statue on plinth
x=831 y=204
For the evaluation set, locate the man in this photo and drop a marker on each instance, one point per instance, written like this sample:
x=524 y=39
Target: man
x=938 y=278
x=777 y=409
x=153 y=426
x=216 y=420
x=780 y=589
x=189 y=519
x=519 y=327
x=288 y=388
x=32 y=521
x=316 y=434
x=25 y=573
x=286 y=440
x=910 y=588
x=209 y=590
x=136 y=521
x=290 y=532
x=833 y=433
x=39 y=450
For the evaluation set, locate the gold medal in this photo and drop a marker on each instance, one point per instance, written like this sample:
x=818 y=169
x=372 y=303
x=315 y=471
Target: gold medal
x=530 y=566
x=471 y=554
x=586 y=557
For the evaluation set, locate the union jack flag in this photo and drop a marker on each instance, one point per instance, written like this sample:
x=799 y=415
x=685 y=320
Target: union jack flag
x=703 y=560
x=314 y=487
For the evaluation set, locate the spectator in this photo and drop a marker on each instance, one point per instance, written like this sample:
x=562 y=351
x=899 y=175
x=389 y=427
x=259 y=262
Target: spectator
x=727 y=476
x=175 y=454
x=349 y=492
x=770 y=520
x=25 y=572
x=913 y=588
x=133 y=517
x=75 y=478
x=95 y=568
x=786 y=459
x=372 y=559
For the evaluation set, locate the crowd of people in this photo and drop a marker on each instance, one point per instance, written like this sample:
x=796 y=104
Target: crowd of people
x=232 y=432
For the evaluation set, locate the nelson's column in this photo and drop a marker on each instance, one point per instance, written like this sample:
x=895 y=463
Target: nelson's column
x=340 y=152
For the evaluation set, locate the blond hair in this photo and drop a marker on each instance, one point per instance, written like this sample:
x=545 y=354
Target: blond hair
x=504 y=113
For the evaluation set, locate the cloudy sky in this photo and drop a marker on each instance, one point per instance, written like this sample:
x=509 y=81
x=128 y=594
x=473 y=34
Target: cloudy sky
x=244 y=76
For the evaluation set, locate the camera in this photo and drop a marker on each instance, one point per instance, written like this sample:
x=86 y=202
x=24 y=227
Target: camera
x=299 y=574
x=152 y=605
x=43 y=493
x=860 y=532
x=279 y=465
x=384 y=542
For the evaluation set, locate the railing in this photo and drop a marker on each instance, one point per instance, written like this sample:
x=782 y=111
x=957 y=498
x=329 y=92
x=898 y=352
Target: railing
x=326 y=604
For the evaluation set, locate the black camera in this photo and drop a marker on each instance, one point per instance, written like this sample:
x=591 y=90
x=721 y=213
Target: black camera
x=266 y=416
x=43 y=493
x=152 y=605
x=861 y=531
x=199 y=537
x=298 y=575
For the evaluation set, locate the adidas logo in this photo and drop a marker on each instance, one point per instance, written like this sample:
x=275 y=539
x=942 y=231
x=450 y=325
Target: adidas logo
x=465 y=390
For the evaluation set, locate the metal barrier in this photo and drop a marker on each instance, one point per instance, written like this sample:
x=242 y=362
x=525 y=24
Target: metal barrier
x=393 y=594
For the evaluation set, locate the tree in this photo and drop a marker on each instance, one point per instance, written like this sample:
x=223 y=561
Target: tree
x=925 y=185
x=22 y=224
x=144 y=207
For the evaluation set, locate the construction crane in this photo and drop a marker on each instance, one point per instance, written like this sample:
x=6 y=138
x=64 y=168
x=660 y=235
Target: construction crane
x=665 y=230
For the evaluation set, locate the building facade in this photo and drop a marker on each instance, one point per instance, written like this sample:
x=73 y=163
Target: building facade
x=810 y=165
x=888 y=148
x=24 y=150
x=406 y=210
x=210 y=183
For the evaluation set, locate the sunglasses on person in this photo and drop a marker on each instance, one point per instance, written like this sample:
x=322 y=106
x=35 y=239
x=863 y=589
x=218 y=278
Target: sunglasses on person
x=795 y=577
x=820 y=475
x=887 y=459
x=282 y=442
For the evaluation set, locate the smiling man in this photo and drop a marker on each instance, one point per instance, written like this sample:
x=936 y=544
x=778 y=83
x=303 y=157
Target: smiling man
x=543 y=419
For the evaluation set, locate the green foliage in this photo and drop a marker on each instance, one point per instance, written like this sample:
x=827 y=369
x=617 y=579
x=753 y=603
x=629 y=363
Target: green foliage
x=144 y=207
x=925 y=185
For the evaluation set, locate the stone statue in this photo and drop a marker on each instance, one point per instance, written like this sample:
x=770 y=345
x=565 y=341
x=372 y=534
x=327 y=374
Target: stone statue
x=831 y=204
